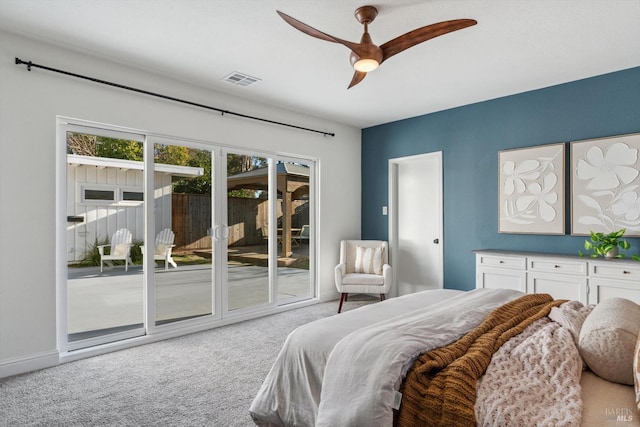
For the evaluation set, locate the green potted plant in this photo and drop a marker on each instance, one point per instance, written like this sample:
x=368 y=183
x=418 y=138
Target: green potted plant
x=606 y=245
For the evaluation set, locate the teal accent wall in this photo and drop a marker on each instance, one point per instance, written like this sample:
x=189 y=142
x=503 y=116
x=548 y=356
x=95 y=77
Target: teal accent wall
x=470 y=138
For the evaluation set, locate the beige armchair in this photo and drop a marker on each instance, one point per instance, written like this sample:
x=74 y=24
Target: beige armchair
x=364 y=269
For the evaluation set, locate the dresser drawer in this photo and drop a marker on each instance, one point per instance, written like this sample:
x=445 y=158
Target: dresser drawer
x=616 y=270
x=514 y=262
x=550 y=265
x=559 y=286
x=603 y=288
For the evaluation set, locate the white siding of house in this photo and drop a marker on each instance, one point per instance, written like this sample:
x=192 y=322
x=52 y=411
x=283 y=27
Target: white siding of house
x=162 y=204
x=102 y=219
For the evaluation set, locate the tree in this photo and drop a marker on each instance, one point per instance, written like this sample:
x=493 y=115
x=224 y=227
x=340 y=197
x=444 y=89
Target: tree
x=81 y=144
x=100 y=146
x=171 y=155
x=238 y=163
x=198 y=185
x=113 y=148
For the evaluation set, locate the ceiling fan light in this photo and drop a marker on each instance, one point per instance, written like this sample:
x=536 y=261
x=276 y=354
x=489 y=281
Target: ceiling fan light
x=365 y=65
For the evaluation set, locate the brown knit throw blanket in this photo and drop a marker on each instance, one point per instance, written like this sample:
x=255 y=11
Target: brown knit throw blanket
x=440 y=388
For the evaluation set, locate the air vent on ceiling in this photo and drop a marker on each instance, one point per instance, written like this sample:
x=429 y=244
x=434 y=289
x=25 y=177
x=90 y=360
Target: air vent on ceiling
x=240 y=79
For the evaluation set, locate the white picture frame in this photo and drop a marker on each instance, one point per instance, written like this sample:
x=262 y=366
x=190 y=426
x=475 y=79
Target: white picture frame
x=605 y=185
x=532 y=190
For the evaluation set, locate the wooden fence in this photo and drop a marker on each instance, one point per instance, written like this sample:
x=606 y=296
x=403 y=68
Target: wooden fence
x=191 y=220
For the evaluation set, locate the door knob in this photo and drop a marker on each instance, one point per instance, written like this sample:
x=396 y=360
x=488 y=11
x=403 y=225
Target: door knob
x=436 y=241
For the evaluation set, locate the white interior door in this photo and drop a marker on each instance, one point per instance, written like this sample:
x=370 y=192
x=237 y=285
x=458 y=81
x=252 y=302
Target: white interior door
x=415 y=222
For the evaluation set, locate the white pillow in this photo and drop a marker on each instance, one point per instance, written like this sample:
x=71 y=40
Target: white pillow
x=608 y=339
x=368 y=260
x=121 y=249
x=161 y=249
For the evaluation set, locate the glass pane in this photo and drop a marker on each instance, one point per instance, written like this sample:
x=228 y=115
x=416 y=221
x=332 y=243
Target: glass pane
x=104 y=286
x=99 y=195
x=248 y=241
x=132 y=196
x=294 y=207
x=183 y=247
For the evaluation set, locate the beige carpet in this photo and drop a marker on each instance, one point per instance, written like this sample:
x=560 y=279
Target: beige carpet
x=203 y=379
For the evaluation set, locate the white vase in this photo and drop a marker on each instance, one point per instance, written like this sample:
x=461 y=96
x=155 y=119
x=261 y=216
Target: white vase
x=612 y=253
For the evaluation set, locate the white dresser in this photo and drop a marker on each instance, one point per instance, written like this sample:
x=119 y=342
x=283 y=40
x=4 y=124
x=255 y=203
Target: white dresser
x=588 y=280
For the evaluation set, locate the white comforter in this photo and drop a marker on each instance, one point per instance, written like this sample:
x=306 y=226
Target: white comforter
x=344 y=370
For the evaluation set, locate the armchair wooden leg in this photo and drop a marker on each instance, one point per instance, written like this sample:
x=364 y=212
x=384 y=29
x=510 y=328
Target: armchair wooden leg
x=343 y=298
x=382 y=297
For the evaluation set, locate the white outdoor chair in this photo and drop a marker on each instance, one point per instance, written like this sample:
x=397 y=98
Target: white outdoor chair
x=119 y=249
x=163 y=246
x=303 y=236
x=364 y=269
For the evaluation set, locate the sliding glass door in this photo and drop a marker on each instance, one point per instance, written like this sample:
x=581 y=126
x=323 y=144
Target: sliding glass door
x=270 y=211
x=248 y=244
x=295 y=216
x=105 y=228
x=183 y=248
x=163 y=232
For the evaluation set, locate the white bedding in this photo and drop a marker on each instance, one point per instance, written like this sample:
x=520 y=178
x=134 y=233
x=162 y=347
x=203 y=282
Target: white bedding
x=314 y=375
x=385 y=351
x=290 y=394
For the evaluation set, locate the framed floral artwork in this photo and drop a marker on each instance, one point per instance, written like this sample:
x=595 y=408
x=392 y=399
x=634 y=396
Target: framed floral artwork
x=605 y=185
x=531 y=190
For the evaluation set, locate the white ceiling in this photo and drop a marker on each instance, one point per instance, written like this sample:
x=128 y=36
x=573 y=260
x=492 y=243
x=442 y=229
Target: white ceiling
x=518 y=45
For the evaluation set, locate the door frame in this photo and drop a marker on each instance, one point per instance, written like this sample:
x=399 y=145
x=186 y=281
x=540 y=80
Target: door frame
x=394 y=249
x=62 y=337
x=157 y=333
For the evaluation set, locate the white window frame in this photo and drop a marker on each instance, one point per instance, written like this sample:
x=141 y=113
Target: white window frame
x=98 y=187
x=118 y=195
x=122 y=202
x=157 y=333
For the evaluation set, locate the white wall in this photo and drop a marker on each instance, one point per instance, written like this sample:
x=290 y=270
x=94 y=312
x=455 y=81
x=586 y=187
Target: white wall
x=29 y=104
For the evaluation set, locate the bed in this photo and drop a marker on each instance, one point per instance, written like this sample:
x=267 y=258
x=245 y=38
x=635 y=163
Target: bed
x=356 y=368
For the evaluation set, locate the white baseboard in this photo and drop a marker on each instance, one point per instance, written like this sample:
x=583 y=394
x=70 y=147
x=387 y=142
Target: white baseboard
x=331 y=296
x=9 y=367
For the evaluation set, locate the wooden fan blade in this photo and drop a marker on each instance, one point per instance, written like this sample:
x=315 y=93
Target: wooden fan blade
x=358 y=76
x=301 y=26
x=423 y=34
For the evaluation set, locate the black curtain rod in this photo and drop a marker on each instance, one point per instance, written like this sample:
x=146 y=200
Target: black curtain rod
x=30 y=64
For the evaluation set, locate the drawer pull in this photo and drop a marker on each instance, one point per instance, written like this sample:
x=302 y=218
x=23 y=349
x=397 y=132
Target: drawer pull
x=501 y=262
x=556 y=266
x=626 y=272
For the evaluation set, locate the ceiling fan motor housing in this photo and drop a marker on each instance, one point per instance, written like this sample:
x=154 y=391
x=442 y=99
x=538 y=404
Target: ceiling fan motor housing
x=367 y=50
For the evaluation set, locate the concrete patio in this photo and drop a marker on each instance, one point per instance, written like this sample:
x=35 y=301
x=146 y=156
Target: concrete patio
x=113 y=299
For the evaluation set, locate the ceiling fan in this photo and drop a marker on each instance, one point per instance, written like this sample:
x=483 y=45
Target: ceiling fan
x=366 y=56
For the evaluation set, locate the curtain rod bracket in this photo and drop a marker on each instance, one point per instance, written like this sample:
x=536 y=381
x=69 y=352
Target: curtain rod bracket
x=20 y=62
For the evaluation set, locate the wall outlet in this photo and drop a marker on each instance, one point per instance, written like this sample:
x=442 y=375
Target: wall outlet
x=384 y=210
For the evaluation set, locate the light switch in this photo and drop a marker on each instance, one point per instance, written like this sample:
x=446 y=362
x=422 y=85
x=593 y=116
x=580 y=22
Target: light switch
x=384 y=210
